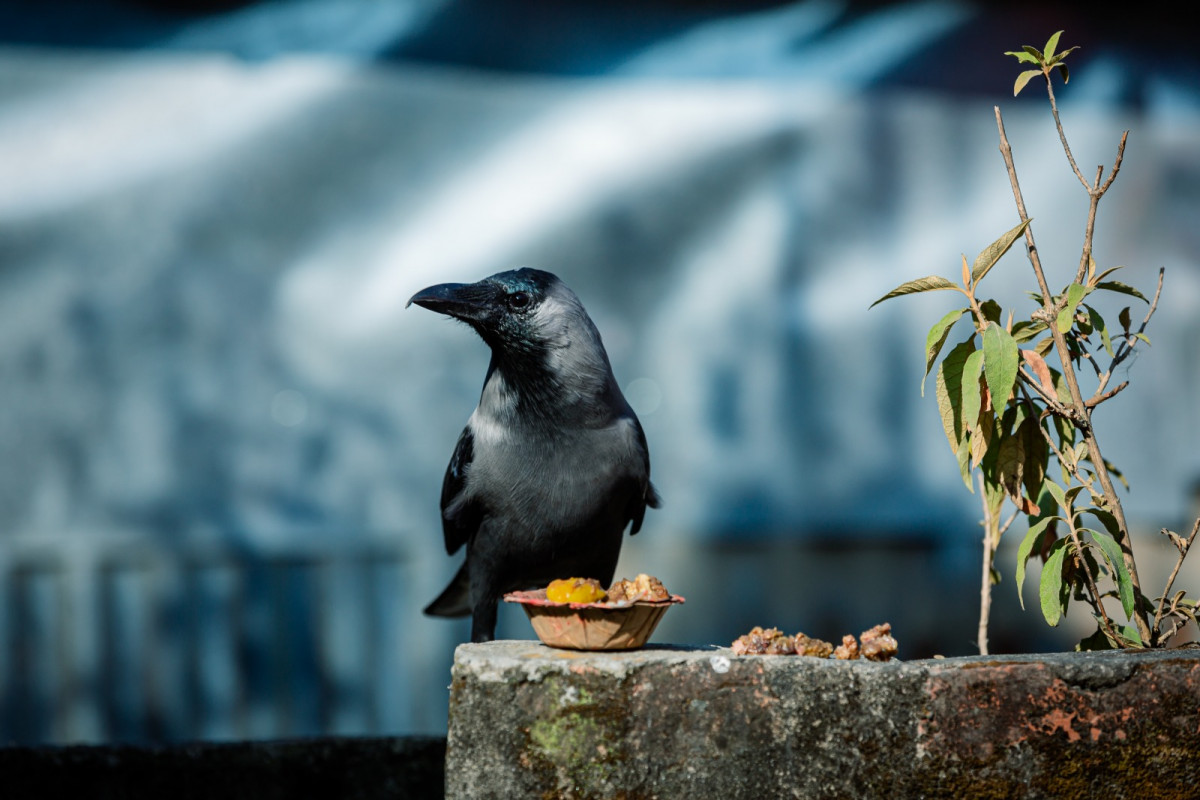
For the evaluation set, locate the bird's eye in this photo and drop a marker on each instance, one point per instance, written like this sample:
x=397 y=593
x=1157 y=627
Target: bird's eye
x=518 y=300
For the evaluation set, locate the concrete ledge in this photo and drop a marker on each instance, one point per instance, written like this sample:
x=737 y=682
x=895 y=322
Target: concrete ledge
x=529 y=721
x=346 y=768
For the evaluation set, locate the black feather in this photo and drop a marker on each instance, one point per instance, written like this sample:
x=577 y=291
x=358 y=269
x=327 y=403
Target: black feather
x=460 y=518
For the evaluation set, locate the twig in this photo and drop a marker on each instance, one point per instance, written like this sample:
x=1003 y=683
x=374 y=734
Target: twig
x=1069 y=464
x=1116 y=164
x=1030 y=245
x=1130 y=341
x=1183 y=551
x=1011 y=517
x=1088 y=357
x=1062 y=137
x=1050 y=400
x=1179 y=623
x=1097 y=399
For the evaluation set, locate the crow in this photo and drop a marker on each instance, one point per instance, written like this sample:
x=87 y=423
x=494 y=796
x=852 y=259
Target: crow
x=552 y=465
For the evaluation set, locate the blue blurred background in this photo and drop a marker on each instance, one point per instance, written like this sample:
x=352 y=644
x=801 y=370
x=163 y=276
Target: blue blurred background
x=224 y=437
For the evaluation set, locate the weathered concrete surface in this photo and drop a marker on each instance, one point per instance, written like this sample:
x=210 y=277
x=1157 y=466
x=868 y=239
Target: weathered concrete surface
x=529 y=721
x=408 y=768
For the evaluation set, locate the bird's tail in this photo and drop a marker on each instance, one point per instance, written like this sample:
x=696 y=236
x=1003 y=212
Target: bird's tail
x=455 y=599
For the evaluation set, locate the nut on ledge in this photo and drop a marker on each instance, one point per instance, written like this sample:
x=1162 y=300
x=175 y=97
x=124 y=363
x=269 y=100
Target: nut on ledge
x=877 y=644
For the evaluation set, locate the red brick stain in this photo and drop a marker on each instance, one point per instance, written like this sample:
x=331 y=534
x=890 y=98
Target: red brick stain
x=1056 y=720
x=1063 y=708
x=971 y=714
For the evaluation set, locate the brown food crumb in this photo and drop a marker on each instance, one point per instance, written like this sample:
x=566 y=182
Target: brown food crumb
x=769 y=642
x=643 y=587
x=878 y=644
x=817 y=648
x=848 y=649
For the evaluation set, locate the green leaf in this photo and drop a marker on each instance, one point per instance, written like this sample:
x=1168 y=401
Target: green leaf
x=1010 y=465
x=1105 y=274
x=1050 y=588
x=988 y=257
x=1031 y=543
x=1115 y=559
x=1098 y=323
x=1084 y=325
x=1144 y=338
x=1131 y=635
x=1033 y=51
x=971 y=399
x=1047 y=505
x=991 y=311
x=1001 y=359
x=981 y=440
x=1021 y=56
x=1123 y=318
x=1057 y=493
x=948 y=388
x=1027 y=329
x=1123 y=288
x=1072 y=493
x=963 y=454
x=1023 y=79
x=935 y=339
x=1097 y=641
x=1060 y=387
x=993 y=491
x=1051 y=43
x=1066 y=317
x=1106 y=519
x=1062 y=70
x=1037 y=455
x=931 y=283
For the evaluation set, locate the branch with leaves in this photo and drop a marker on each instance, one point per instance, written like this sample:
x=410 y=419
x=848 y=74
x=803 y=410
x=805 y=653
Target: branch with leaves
x=1009 y=416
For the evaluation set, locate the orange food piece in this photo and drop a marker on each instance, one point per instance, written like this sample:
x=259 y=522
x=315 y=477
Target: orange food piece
x=575 y=590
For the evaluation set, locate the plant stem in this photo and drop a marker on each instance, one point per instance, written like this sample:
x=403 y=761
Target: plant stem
x=1079 y=410
x=989 y=555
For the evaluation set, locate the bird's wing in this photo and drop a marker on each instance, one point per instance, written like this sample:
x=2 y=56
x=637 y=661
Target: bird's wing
x=460 y=517
x=647 y=496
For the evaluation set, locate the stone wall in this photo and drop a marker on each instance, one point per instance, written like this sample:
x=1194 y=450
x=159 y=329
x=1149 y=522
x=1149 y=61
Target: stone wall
x=667 y=722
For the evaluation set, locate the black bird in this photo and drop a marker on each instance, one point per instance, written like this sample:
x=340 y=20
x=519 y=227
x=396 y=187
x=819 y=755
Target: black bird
x=553 y=465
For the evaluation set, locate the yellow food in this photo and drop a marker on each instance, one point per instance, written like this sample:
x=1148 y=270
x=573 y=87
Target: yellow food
x=575 y=590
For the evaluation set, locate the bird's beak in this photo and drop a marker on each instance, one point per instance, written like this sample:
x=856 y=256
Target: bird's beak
x=465 y=301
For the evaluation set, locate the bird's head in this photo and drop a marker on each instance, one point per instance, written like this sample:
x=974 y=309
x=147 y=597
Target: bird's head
x=545 y=348
x=523 y=310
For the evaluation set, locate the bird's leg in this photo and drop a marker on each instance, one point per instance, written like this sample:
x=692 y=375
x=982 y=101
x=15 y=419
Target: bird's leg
x=483 y=620
x=484 y=597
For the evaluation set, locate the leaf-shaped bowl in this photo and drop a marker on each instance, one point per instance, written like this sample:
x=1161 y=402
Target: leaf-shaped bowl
x=591 y=626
